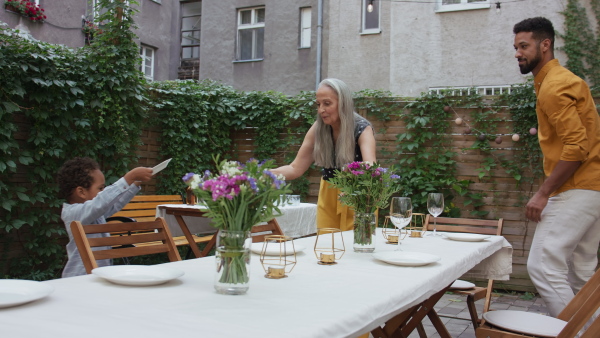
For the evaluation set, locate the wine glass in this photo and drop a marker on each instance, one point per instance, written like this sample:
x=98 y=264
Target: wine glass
x=400 y=213
x=435 y=205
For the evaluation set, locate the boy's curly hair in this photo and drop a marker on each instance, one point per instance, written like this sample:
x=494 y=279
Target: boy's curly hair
x=75 y=173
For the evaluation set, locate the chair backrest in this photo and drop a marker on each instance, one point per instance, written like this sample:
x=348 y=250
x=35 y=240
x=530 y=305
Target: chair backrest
x=143 y=207
x=577 y=314
x=468 y=225
x=123 y=246
x=581 y=308
x=259 y=232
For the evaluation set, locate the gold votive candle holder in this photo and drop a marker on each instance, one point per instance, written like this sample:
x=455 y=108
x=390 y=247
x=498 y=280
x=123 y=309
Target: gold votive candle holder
x=417 y=226
x=278 y=256
x=329 y=246
x=389 y=231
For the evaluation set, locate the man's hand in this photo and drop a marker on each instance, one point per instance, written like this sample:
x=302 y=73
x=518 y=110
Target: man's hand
x=561 y=173
x=535 y=206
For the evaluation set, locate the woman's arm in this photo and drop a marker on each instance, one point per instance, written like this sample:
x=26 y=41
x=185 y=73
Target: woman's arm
x=367 y=143
x=303 y=159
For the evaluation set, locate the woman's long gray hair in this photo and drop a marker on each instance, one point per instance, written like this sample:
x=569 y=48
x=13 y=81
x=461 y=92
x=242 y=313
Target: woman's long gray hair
x=344 y=147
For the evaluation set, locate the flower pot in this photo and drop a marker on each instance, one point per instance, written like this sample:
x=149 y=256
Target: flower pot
x=364 y=231
x=11 y=8
x=232 y=262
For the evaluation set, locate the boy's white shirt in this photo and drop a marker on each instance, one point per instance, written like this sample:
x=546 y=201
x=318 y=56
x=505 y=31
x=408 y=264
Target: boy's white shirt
x=95 y=211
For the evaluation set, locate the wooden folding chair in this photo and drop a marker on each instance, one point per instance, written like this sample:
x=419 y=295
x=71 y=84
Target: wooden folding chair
x=259 y=232
x=123 y=246
x=474 y=226
x=575 y=315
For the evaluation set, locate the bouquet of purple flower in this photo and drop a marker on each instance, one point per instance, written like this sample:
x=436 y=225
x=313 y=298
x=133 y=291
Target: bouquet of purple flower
x=365 y=187
x=240 y=195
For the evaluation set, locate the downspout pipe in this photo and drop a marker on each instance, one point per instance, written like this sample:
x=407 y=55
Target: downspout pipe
x=319 y=42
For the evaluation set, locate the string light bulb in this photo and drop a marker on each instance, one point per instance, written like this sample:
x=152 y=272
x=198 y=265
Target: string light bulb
x=370 y=6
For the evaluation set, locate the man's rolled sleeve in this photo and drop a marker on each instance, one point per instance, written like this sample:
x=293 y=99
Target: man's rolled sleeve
x=567 y=122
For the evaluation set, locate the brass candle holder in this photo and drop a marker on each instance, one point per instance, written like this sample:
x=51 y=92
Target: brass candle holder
x=391 y=233
x=417 y=226
x=329 y=246
x=278 y=256
x=388 y=231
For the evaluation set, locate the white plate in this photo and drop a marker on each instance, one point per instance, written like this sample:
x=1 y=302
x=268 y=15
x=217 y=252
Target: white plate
x=405 y=258
x=466 y=237
x=139 y=275
x=18 y=291
x=461 y=285
x=525 y=322
x=273 y=249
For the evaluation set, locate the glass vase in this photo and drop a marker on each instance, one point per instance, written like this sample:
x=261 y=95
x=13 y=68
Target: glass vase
x=364 y=231
x=233 y=262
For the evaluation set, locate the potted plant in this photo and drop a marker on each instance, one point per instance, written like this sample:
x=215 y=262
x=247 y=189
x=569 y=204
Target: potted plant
x=26 y=8
x=89 y=29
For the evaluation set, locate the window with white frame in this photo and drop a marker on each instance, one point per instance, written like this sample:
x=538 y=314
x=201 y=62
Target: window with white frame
x=461 y=5
x=191 y=15
x=147 y=55
x=305 y=27
x=251 y=33
x=370 y=16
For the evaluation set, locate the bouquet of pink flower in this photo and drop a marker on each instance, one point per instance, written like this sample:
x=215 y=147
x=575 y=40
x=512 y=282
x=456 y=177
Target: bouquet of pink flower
x=240 y=195
x=365 y=187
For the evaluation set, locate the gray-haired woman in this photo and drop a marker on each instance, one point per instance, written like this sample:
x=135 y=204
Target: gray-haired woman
x=338 y=137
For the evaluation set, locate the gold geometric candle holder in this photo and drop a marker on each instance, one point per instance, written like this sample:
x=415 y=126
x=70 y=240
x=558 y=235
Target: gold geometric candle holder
x=329 y=246
x=391 y=233
x=417 y=225
x=278 y=256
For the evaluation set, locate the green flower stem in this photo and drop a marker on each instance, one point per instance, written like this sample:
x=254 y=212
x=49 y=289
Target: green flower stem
x=363 y=228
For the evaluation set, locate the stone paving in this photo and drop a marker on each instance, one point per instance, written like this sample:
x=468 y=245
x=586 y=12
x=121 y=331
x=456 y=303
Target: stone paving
x=453 y=312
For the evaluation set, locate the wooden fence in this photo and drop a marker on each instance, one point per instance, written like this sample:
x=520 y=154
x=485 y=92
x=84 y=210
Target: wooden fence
x=504 y=199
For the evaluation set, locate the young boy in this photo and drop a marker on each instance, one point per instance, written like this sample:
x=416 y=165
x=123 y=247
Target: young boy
x=81 y=183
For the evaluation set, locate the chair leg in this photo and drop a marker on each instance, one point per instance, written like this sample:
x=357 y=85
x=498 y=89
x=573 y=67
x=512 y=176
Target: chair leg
x=421 y=331
x=473 y=311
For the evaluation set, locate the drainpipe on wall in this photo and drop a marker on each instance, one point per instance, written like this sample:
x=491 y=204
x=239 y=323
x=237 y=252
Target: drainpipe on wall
x=319 y=41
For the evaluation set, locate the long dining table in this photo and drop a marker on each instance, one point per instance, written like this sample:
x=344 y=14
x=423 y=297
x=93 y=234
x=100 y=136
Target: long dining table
x=347 y=299
x=295 y=220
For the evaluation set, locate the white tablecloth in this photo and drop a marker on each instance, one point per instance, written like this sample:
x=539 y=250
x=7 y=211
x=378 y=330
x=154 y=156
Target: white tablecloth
x=296 y=221
x=343 y=300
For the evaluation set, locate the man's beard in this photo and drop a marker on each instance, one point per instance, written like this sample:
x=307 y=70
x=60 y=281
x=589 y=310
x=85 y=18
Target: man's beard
x=528 y=66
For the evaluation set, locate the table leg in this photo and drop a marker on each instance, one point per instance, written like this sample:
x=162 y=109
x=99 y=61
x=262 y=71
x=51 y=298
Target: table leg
x=403 y=324
x=188 y=236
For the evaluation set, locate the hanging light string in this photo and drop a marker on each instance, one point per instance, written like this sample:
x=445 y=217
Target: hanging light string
x=482 y=136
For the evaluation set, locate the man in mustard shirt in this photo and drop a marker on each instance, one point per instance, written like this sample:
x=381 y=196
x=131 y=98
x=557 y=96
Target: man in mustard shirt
x=566 y=207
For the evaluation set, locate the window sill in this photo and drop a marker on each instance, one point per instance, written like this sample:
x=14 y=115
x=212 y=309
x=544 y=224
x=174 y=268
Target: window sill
x=303 y=47
x=245 y=61
x=462 y=7
x=370 y=32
